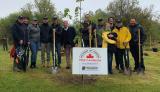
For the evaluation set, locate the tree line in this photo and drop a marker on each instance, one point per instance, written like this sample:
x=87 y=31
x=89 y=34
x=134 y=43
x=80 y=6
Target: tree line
x=124 y=9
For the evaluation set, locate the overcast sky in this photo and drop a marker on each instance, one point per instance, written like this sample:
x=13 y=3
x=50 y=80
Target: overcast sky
x=10 y=6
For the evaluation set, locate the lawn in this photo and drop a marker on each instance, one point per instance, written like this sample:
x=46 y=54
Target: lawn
x=41 y=79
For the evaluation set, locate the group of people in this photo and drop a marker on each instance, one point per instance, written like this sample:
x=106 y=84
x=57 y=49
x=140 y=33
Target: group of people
x=35 y=35
x=119 y=40
x=110 y=33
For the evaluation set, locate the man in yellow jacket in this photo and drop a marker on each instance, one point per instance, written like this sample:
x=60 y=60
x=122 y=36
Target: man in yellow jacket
x=109 y=41
x=124 y=36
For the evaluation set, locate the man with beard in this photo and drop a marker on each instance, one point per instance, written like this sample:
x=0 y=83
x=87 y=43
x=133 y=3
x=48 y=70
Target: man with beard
x=134 y=44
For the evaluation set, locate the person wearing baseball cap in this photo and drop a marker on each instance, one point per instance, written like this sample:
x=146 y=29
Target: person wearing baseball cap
x=123 y=38
x=34 y=38
x=45 y=41
x=58 y=39
x=20 y=38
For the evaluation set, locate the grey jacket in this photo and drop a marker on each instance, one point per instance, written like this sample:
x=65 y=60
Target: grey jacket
x=34 y=33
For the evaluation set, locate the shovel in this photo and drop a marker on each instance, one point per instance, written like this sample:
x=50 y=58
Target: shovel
x=54 y=68
x=127 y=68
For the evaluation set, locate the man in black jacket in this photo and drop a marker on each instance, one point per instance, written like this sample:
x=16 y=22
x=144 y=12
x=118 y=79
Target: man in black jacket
x=58 y=39
x=134 y=44
x=100 y=28
x=20 y=38
x=45 y=41
x=88 y=26
x=68 y=35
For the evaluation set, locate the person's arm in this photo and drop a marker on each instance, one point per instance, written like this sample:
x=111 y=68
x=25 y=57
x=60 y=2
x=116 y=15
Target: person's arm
x=128 y=37
x=106 y=39
x=16 y=33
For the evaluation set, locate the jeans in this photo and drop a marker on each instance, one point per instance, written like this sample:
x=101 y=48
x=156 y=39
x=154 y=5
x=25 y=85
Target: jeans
x=58 y=50
x=110 y=58
x=34 y=49
x=45 y=47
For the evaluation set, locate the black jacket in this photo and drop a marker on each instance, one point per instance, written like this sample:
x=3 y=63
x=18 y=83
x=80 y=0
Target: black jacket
x=68 y=36
x=19 y=32
x=134 y=34
x=85 y=30
x=45 y=30
x=58 y=33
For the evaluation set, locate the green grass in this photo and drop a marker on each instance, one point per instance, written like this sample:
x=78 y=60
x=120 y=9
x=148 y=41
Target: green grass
x=41 y=80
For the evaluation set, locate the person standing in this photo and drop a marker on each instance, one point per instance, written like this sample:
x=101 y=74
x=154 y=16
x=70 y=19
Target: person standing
x=88 y=32
x=58 y=40
x=99 y=29
x=123 y=39
x=45 y=41
x=5 y=43
x=20 y=38
x=134 y=44
x=111 y=21
x=68 y=35
x=109 y=41
x=34 y=38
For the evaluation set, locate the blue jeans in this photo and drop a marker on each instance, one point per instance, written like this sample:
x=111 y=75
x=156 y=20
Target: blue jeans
x=58 y=51
x=34 y=50
x=110 y=58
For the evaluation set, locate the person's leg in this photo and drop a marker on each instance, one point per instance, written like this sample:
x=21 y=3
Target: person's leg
x=58 y=47
x=135 y=53
x=3 y=47
x=53 y=55
x=24 y=63
x=120 y=59
x=33 y=53
x=6 y=46
x=86 y=43
x=48 y=53
x=37 y=47
x=68 y=50
x=43 y=54
x=126 y=58
x=116 y=59
x=110 y=56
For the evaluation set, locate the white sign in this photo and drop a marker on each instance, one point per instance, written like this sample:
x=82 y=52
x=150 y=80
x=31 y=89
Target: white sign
x=90 y=61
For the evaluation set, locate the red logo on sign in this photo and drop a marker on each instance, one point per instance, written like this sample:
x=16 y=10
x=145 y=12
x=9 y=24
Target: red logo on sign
x=89 y=56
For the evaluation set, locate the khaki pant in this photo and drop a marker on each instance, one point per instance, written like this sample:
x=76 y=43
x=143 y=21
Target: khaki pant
x=45 y=47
